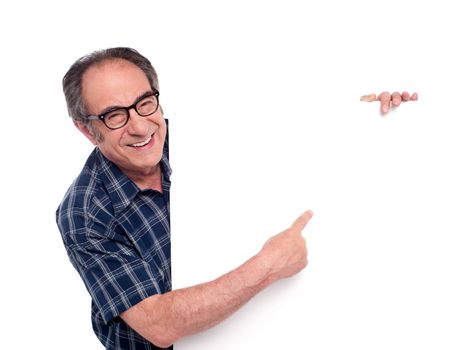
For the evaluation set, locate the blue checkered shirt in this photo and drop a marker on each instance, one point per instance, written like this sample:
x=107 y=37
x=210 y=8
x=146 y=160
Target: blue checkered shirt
x=118 y=239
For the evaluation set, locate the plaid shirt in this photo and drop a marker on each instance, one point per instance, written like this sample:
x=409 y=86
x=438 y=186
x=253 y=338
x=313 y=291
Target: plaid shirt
x=118 y=239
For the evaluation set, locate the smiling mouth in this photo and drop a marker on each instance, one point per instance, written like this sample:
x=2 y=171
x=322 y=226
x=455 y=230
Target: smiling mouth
x=141 y=144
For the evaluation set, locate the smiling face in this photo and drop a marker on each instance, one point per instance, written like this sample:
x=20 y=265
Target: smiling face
x=137 y=147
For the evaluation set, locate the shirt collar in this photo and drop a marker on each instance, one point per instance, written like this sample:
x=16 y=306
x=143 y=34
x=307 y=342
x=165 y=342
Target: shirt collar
x=120 y=188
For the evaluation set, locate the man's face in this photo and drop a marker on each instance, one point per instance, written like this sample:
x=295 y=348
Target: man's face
x=135 y=148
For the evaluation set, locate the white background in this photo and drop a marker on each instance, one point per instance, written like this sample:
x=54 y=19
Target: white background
x=263 y=102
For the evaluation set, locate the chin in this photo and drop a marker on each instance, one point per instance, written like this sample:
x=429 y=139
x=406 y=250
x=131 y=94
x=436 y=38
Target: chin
x=150 y=165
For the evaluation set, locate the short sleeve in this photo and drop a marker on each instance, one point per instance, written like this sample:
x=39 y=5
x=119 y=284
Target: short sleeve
x=115 y=275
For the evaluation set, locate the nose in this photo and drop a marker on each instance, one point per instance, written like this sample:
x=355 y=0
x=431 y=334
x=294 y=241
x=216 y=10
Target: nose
x=137 y=125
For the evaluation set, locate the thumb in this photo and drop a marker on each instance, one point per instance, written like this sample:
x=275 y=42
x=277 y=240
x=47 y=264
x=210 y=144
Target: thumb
x=369 y=98
x=302 y=220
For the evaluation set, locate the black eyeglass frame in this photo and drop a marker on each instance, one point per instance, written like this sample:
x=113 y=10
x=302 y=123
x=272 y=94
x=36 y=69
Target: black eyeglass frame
x=127 y=109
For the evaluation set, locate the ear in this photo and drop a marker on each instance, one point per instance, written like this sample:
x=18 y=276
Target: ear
x=85 y=131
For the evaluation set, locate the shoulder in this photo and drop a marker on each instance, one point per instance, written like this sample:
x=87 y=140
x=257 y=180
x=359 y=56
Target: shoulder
x=84 y=199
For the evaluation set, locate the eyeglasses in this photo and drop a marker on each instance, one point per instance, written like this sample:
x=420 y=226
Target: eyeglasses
x=118 y=117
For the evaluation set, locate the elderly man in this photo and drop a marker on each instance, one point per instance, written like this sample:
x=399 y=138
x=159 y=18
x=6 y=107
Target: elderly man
x=114 y=218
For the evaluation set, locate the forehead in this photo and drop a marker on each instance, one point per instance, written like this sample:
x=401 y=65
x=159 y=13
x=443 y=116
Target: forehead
x=113 y=83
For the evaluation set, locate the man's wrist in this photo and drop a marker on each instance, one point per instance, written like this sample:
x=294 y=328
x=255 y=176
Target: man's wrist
x=257 y=274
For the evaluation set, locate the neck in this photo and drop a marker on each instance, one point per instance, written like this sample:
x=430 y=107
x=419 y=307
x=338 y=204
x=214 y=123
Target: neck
x=152 y=180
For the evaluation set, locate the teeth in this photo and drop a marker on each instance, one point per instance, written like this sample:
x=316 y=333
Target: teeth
x=142 y=143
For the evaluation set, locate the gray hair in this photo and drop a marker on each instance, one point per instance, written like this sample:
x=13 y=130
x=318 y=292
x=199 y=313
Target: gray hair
x=72 y=81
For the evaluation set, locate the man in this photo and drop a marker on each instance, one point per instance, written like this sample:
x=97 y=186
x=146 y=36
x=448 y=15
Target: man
x=114 y=219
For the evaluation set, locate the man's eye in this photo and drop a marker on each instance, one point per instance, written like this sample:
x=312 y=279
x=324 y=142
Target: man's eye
x=115 y=115
x=145 y=103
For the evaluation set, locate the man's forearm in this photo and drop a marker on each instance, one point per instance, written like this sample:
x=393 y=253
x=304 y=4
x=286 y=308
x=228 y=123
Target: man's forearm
x=163 y=319
x=166 y=318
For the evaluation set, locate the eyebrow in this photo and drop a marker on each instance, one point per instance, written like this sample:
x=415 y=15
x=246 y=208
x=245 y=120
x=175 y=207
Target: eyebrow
x=112 y=108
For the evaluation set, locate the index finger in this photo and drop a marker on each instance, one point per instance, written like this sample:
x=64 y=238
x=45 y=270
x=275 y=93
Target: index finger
x=385 y=100
x=302 y=220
